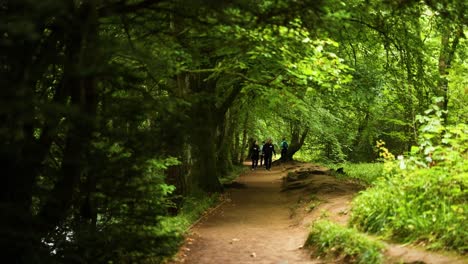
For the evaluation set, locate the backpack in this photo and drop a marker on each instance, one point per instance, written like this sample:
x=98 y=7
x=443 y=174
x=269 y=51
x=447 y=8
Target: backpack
x=284 y=145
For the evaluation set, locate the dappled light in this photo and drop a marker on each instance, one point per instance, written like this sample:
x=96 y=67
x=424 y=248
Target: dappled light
x=172 y=131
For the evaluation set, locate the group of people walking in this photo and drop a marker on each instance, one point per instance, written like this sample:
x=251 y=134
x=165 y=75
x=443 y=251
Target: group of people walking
x=265 y=152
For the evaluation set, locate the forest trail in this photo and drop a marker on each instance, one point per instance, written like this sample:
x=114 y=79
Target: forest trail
x=260 y=223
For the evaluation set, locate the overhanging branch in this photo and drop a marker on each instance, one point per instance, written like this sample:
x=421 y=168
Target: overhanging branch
x=238 y=74
x=122 y=7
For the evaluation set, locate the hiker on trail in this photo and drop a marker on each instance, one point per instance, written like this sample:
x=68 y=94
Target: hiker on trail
x=262 y=154
x=269 y=150
x=284 y=149
x=255 y=151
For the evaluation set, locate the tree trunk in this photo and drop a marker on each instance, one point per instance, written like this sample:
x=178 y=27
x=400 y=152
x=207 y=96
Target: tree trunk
x=297 y=140
x=236 y=145
x=81 y=56
x=21 y=154
x=244 y=139
x=177 y=146
x=29 y=156
x=203 y=135
x=447 y=53
x=224 y=146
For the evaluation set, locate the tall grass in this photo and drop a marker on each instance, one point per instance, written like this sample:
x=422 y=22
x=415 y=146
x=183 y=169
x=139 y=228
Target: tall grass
x=176 y=227
x=192 y=209
x=424 y=196
x=364 y=173
x=427 y=205
x=234 y=174
x=346 y=244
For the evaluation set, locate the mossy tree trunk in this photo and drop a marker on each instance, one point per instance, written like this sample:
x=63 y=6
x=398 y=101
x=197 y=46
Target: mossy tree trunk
x=205 y=173
x=203 y=134
x=225 y=146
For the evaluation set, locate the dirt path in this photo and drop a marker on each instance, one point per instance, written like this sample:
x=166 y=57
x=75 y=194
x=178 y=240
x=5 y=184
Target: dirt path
x=257 y=225
x=260 y=223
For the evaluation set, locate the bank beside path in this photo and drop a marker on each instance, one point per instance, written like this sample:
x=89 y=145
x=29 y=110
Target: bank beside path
x=262 y=222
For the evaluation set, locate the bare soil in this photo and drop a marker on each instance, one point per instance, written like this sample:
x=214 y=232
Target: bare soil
x=266 y=220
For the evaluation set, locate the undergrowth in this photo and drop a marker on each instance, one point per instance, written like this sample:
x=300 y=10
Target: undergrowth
x=364 y=173
x=423 y=197
x=236 y=171
x=345 y=244
x=193 y=208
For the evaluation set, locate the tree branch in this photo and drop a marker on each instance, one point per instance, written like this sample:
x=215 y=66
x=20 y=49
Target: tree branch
x=383 y=33
x=238 y=74
x=122 y=7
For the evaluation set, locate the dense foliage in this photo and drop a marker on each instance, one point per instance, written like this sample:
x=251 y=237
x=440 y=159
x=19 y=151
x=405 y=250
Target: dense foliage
x=402 y=54
x=364 y=174
x=422 y=197
x=116 y=112
x=345 y=245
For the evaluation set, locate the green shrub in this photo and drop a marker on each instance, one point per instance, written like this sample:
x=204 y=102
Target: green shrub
x=425 y=205
x=330 y=239
x=193 y=208
x=364 y=173
x=425 y=197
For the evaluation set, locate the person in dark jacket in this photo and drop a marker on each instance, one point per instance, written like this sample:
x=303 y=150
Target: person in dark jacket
x=255 y=152
x=268 y=150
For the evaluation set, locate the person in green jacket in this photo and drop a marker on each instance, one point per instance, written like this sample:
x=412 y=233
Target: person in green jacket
x=284 y=149
x=262 y=154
